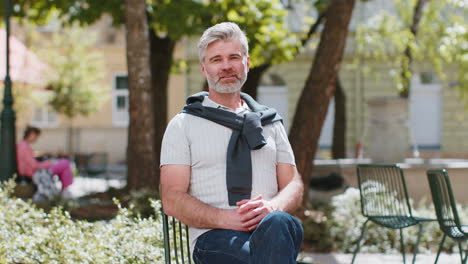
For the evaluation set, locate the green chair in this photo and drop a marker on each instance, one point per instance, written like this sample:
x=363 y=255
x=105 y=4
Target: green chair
x=176 y=241
x=384 y=201
x=446 y=211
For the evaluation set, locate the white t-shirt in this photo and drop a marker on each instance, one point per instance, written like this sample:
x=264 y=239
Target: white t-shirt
x=202 y=144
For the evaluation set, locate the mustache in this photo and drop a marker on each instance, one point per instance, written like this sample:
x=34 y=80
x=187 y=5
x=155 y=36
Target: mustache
x=229 y=75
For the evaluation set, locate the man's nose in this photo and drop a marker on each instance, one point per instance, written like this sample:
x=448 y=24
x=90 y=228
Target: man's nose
x=226 y=65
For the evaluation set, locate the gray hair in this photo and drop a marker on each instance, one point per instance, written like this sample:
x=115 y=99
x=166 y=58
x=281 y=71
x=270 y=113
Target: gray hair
x=225 y=31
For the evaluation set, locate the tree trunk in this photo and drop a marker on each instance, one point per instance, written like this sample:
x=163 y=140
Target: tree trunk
x=339 y=126
x=141 y=154
x=319 y=87
x=414 y=28
x=161 y=60
x=255 y=74
x=253 y=80
x=70 y=137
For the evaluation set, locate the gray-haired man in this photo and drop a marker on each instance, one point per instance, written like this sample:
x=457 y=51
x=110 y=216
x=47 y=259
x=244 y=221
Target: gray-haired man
x=227 y=168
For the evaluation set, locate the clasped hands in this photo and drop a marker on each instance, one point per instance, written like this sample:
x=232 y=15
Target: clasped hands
x=250 y=212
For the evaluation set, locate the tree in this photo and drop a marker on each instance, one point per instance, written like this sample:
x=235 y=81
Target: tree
x=319 y=87
x=74 y=74
x=339 y=123
x=140 y=154
x=421 y=31
x=256 y=73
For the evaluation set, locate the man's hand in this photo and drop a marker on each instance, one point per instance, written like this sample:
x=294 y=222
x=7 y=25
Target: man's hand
x=233 y=220
x=253 y=211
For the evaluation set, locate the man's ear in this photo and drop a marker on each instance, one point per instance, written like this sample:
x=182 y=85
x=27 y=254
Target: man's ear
x=202 y=68
x=248 y=64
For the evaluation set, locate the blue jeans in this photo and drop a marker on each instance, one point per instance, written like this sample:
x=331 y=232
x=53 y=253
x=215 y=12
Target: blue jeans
x=277 y=239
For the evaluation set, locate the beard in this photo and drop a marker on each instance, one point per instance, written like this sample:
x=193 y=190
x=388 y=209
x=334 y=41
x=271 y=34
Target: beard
x=220 y=87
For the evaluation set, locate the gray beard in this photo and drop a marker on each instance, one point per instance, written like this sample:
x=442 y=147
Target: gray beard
x=223 y=88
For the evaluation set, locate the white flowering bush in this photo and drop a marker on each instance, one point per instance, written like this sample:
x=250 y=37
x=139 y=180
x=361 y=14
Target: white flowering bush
x=30 y=235
x=345 y=221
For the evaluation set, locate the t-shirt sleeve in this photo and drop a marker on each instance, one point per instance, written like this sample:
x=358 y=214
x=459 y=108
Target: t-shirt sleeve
x=175 y=148
x=284 y=153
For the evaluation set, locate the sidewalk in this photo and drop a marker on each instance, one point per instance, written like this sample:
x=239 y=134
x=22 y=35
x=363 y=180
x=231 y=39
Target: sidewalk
x=366 y=258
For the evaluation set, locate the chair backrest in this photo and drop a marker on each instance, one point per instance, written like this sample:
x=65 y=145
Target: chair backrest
x=383 y=191
x=444 y=203
x=97 y=163
x=91 y=164
x=176 y=241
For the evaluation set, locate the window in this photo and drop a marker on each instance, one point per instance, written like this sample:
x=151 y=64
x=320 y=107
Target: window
x=120 y=101
x=43 y=116
x=426 y=111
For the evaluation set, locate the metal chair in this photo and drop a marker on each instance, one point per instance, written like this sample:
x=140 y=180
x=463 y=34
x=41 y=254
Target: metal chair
x=384 y=201
x=176 y=241
x=92 y=165
x=446 y=211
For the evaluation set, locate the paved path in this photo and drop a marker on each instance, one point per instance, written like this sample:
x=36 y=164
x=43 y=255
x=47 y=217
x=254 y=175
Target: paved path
x=363 y=258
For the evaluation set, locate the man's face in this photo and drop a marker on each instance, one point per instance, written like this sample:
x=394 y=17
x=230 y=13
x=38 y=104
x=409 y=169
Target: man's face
x=225 y=67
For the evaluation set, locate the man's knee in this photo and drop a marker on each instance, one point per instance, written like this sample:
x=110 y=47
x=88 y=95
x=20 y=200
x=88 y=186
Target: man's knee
x=282 y=222
x=282 y=228
x=281 y=218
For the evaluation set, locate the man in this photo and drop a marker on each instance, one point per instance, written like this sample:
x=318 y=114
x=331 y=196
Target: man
x=227 y=168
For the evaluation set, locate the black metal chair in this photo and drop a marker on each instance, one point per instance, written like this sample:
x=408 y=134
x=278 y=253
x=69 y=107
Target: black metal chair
x=385 y=201
x=446 y=211
x=92 y=165
x=176 y=241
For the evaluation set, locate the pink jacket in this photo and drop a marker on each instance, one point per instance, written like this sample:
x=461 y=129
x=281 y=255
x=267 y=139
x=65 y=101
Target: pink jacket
x=27 y=164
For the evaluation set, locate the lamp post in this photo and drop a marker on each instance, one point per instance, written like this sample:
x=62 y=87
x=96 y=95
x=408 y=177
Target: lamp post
x=7 y=117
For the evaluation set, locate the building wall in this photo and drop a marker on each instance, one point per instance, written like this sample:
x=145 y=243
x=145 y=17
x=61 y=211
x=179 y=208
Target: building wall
x=455 y=122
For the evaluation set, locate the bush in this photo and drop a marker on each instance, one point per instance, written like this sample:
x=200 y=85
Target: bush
x=344 y=220
x=30 y=235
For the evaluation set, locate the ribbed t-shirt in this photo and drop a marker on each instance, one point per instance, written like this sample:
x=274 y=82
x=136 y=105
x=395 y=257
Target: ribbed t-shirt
x=202 y=144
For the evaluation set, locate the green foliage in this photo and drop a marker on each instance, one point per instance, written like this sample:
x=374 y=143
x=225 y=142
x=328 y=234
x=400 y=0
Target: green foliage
x=140 y=202
x=35 y=236
x=270 y=41
x=263 y=20
x=69 y=11
x=179 y=18
x=442 y=39
x=76 y=72
x=340 y=227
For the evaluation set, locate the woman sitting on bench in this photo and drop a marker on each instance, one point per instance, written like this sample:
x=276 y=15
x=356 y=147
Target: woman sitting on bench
x=28 y=165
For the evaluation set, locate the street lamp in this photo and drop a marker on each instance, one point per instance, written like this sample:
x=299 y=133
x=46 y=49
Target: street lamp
x=7 y=117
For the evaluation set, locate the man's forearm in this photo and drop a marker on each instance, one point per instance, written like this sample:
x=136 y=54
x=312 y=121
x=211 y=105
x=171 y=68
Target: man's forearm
x=290 y=197
x=192 y=211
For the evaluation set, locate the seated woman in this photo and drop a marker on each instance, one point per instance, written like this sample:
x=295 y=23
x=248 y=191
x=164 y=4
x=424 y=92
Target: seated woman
x=28 y=165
